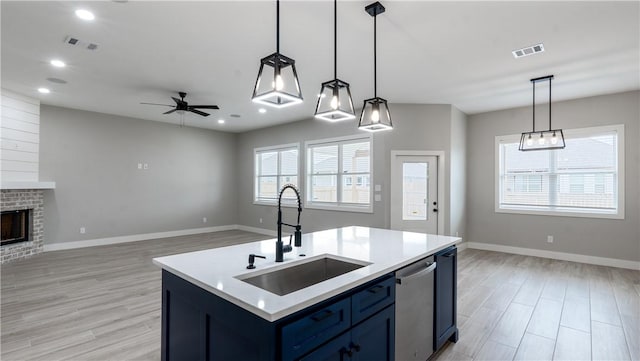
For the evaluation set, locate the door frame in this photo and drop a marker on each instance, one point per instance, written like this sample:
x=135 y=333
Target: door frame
x=442 y=201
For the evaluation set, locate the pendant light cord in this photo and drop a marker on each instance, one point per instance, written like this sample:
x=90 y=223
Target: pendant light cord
x=534 y=105
x=550 y=104
x=375 y=56
x=335 y=39
x=278 y=26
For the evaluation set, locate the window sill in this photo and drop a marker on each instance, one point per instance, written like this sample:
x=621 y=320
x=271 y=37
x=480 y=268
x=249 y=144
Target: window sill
x=275 y=204
x=560 y=212
x=345 y=208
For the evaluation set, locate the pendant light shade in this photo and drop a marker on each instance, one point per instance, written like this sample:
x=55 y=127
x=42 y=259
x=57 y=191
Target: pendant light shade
x=334 y=101
x=541 y=139
x=277 y=84
x=375 y=114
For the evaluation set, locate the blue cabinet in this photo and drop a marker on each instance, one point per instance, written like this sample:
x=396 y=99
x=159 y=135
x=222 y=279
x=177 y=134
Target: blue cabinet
x=356 y=325
x=445 y=297
x=371 y=340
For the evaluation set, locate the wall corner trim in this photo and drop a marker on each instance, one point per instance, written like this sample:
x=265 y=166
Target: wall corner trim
x=572 y=257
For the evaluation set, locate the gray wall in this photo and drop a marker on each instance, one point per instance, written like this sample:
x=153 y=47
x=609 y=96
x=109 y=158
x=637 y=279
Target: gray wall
x=416 y=127
x=588 y=236
x=93 y=159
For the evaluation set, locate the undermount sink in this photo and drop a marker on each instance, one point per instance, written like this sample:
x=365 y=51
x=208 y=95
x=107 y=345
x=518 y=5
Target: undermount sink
x=301 y=275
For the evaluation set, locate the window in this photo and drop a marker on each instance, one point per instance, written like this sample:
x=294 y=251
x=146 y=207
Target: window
x=275 y=167
x=585 y=179
x=339 y=174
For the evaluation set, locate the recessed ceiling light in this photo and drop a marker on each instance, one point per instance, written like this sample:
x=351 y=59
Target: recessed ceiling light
x=85 y=14
x=262 y=110
x=220 y=121
x=44 y=90
x=58 y=63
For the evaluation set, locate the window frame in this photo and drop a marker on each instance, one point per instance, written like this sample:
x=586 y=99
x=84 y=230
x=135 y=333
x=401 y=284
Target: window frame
x=587 y=213
x=338 y=205
x=278 y=148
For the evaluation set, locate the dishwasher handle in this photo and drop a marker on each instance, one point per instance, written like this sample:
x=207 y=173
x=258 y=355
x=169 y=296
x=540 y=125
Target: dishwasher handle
x=431 y=266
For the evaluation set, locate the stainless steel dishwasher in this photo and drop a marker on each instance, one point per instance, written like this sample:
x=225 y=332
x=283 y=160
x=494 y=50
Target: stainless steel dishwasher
x=414 y=310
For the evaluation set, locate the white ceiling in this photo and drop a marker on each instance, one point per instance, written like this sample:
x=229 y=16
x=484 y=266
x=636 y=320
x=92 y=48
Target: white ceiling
x=428 y=52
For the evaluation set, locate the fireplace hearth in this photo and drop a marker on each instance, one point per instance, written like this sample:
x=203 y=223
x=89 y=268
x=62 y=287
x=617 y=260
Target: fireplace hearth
x=14 y=227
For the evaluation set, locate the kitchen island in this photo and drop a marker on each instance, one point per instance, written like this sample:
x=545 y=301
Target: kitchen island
x=210 y=311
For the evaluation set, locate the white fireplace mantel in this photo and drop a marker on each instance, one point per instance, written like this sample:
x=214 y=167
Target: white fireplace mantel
x=28 y=185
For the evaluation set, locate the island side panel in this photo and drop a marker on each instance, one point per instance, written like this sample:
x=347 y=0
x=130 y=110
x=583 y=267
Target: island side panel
x=198 y=325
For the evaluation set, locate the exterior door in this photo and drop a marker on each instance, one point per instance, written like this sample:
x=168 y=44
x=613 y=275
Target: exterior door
x=414 y=193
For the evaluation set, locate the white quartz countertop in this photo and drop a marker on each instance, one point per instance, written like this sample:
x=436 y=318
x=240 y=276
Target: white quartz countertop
x=217 y=270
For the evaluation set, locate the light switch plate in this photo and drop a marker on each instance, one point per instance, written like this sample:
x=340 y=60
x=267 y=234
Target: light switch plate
x=377 y=197
x=378 y=187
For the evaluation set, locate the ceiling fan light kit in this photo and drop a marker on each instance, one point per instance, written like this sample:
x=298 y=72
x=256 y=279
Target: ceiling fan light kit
x=542 y=139
x=277 y=84
x=334 y=101
x=375 y=114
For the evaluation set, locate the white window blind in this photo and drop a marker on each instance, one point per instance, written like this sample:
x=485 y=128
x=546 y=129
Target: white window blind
x=583 y=178
x=339 y=173
x=275 y=167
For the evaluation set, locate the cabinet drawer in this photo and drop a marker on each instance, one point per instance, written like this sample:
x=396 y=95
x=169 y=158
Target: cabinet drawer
x=312 y=330
x=372 y=299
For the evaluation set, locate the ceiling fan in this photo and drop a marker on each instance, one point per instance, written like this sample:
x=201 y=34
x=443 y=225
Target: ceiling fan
x=183 y=106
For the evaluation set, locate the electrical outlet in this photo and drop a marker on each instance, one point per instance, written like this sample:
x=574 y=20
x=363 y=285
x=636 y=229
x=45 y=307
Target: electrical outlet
x=146 y=166
x=83 y=230
x=549 y=239
x=260 y=220
x=204 y=219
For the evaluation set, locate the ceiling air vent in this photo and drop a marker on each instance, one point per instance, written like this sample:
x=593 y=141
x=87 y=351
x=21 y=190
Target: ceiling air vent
x=529 y=50
x=73 y=41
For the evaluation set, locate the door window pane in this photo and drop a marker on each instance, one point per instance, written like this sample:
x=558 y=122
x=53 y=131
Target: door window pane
x=414 y=191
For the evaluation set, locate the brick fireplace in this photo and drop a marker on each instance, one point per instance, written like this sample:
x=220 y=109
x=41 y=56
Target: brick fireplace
x=22 y=199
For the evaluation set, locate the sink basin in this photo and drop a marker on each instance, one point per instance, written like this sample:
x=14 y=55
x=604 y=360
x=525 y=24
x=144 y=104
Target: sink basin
x=286 y=280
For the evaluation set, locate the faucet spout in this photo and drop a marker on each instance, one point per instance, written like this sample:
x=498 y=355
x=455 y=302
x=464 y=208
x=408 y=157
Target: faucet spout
x=280 y=247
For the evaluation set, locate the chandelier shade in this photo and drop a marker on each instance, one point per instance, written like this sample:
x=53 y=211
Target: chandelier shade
x=277 y=84
x=541 y=139
x=375 y=114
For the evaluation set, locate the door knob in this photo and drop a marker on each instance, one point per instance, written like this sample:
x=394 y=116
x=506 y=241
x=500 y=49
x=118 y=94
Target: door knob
x=435 y=209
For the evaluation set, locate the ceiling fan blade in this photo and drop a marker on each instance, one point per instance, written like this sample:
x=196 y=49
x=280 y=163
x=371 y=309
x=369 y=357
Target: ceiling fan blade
x=164 y=105
x=198 y=112
x=204 y=106
x=170 y=111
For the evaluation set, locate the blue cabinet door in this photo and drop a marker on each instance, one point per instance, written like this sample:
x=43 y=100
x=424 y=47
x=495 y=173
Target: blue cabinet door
x=445 y=297
x=374 y=339
x=336 y=350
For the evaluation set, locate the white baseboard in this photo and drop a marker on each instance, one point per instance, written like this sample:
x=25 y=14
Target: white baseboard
x=267 y=232
x=462 y=246
x=600 y=261
x=136 y=237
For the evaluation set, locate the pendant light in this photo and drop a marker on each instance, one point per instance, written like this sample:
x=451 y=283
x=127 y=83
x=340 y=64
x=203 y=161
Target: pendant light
x=542 y=139
x=375 y=114
x=334 y=102
x=277 y=84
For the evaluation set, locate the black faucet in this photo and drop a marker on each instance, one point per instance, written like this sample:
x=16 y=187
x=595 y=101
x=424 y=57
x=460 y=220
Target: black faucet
x=281 y=249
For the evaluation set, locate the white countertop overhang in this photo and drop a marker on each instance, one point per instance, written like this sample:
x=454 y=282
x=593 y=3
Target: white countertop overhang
x=216 y=270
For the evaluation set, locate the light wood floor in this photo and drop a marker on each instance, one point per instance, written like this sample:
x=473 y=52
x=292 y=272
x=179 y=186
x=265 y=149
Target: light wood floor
x=513 y=307
x=103 y=303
